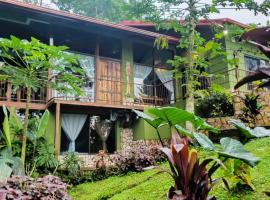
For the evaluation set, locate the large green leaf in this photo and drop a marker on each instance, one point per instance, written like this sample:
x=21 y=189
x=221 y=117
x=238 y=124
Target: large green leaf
x=43 y=124
x=234 y=149
x=183 y=132
x=174 y=116
x=261 y=132
x=5 y=171
x=6 y=129
x=248 y=132
x=154 y=122
x=204 y=141
x=15 y=123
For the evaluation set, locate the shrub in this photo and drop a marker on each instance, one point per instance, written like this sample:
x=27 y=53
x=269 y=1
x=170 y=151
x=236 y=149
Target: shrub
x=71 y=172
x=216 y=104
x=23 y=187
x=138 y=158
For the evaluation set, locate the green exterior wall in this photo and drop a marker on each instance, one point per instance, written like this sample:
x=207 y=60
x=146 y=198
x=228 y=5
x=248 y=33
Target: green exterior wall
x=127 y=56
x=243 y=49
x=142 y=130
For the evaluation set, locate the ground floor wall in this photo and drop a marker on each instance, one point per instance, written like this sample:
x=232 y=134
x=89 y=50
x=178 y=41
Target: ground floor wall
x=128 y=144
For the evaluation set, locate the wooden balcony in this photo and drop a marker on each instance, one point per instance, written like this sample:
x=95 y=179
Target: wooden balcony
x=98 y=93
x=17 y=98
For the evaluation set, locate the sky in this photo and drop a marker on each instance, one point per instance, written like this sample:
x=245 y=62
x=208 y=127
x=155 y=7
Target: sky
x=243 y=16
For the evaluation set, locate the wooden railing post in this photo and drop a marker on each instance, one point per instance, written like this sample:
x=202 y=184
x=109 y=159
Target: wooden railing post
x=9 y=91
x=18 y=95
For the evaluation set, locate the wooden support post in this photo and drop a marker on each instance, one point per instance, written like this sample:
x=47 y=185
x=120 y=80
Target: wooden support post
x=8 y=93
x=18 y=95
x=57 y=131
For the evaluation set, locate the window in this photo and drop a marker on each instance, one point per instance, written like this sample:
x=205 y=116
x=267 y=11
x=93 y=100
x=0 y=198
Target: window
x=87 y=63
x=77 y=136
x=252 y=64
x=153 y=85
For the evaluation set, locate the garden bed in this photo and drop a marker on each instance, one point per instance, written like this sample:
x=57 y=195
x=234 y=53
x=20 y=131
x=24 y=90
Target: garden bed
x=153 y=185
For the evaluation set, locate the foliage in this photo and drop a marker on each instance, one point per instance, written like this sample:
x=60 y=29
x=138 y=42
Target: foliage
x=26 y=66
x=198 y=51
x=229 y=149
x=249 y=133
x=153 y=185
x=45 y=158
x=23 y=187
x=216 y=104
x=252 y=108
x=190 y=177
x=111 y=10
x=72 y=166
x=237 y=174
x=9 y=165
x=135 y=159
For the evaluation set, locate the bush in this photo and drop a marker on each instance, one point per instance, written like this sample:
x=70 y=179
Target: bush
x=24 y=187
x=139 y=158
x=71 y=172
x=214 y=105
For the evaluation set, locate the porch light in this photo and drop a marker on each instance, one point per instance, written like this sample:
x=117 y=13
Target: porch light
x=225 y=32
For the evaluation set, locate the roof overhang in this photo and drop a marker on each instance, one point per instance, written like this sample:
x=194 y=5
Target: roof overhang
x=88 y=20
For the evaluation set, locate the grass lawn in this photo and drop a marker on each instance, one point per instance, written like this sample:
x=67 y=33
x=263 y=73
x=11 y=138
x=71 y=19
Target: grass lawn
x=153 y=184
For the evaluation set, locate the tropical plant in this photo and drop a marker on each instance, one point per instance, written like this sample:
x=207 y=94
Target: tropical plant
x=45 y=158
x=191 y=178
x=72 y=165
x=237 y=173
x=249 y=133
x=26 y=67
x=174 y=117
x=252 y=108
x=217 y=105
x=9 y=165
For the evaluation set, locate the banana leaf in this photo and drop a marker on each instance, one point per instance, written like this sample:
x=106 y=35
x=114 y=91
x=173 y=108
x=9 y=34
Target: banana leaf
x=43 y=124
x=6 y=129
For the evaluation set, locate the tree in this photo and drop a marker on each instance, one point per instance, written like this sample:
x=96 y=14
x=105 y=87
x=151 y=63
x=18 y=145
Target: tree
x=198 y=51
x=26 y=67
x=111 y=10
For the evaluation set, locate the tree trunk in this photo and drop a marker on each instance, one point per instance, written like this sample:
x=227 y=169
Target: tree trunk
x=189 y=104
x=25 y=125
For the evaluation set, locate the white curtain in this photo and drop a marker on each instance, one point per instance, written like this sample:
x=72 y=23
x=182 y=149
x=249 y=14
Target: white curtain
x=72 y=125
x=140 y=73
x=166 y=77
x=88 y=64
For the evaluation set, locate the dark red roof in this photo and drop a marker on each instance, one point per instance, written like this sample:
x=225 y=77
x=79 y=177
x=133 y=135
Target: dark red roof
x=120 y=27
x=202 y=22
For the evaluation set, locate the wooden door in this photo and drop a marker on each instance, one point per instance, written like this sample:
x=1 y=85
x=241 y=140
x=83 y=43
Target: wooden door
x=108 y=82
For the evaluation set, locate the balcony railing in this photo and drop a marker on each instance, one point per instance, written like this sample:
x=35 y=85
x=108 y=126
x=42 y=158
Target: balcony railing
x=115 y=92
x=8 y=94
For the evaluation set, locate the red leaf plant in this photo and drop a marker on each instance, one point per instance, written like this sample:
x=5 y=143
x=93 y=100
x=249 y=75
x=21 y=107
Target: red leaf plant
x=191 y=178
